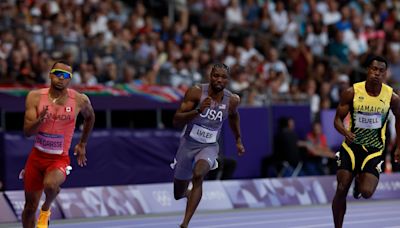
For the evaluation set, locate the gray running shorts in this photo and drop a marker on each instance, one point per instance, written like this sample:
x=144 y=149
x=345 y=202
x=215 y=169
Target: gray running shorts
x=189 y=152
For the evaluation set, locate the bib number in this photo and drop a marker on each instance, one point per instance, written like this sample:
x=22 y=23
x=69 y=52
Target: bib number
x=203 y=135
x=368 y=121
x=49 y=143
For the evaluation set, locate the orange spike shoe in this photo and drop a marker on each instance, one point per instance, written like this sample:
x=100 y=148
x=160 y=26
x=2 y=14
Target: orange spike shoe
x=43 y=220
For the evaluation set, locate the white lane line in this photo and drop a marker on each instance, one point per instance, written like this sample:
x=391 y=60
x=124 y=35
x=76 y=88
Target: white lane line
x=242 y=224
x=263 y=218
x=350 y=222
x=296 y=220
x=267 y=214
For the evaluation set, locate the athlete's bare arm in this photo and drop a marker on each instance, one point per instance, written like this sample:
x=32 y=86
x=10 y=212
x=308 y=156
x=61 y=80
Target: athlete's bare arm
x=186 y=112
x=87 y=112
x=234 y=122
x=32 y=120
x=395 y=106
x=346 y=100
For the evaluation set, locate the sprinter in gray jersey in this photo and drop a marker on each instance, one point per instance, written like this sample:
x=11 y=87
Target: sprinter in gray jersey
x=202 y=112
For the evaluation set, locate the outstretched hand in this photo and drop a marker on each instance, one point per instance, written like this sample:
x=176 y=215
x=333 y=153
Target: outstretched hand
x=240 y=148
x=80 y=153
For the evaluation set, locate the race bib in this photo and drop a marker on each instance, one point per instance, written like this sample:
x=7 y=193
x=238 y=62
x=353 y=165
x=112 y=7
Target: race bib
x=203 y=135
x=49 y=143
x=368 y=121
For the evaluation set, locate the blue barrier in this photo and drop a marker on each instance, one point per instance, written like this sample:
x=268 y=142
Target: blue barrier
x=120 y=157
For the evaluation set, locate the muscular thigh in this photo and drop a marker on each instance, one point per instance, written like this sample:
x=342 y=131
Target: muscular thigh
x=368 y=182
x=346 y=159
x=184 y=160
x=189 y=153
x=54 y=178
x=209 y=154
x=40 y=170
x=344 y=179
x=369 y=175
x=34 y=174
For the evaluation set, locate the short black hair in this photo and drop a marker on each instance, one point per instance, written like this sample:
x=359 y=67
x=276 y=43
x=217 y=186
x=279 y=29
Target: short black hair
x=378 y=59
x=221 y=65
x=60 y=61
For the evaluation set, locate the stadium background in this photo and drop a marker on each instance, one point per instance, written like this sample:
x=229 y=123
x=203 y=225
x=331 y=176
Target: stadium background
x=135 y=60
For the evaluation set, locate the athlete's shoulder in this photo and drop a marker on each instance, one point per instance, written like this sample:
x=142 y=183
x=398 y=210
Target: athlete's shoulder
x=395 y=96
x=234 y=98
x=197 y=87
x=194 y=91
x=37 y=92
x=73 y=93
x=360 y=85
x=387 y=87
x=227 y=92
x=33 y=97
x=351 y=89
x=347 y=95
x=80 y=98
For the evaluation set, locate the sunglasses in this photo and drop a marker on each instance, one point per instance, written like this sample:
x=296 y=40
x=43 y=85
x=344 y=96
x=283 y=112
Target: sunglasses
x=61 y=73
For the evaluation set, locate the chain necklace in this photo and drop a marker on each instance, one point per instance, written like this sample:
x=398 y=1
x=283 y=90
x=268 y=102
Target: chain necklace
x=54 y=100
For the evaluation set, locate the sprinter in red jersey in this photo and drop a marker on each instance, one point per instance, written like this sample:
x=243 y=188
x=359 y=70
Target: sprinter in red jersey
x=50 y=116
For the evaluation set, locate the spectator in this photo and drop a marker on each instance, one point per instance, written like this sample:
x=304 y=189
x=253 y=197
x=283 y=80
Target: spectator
x=317 y=152
x=234 y=14
x=338 y=49
x=264 y=37
x=314 y=98
x=286 y=148
x=317 y=39
x=277 y=66
x=280 y=19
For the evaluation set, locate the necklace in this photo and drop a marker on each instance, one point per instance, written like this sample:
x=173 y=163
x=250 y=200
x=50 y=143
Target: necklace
x=54 y=100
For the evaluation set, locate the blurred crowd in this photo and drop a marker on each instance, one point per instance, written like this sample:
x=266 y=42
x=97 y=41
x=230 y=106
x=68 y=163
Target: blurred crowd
x=278 y=51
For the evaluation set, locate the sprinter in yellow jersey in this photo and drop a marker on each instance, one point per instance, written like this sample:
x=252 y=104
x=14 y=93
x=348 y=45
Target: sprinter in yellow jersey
x=359 y=157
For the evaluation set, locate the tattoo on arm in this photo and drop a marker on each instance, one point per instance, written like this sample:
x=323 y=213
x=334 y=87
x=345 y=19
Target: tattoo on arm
x=89 y=118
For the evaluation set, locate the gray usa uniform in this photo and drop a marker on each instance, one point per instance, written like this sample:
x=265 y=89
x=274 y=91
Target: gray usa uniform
x=200 y=135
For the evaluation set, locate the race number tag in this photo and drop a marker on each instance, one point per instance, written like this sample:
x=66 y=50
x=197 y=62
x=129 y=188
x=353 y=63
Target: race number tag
x=49 y=143
x=203 y=135
x=368 y=121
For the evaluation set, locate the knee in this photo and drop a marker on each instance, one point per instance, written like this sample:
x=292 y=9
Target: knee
x=199 y=173
x=197 y=177
x=342 y=190
x=51 y=187
x=366 y=193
